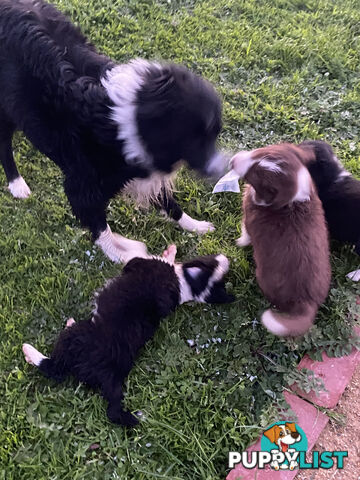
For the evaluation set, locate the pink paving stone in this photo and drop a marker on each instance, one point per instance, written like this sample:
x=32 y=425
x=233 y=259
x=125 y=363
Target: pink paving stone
x=309 y=419
x=336 y=373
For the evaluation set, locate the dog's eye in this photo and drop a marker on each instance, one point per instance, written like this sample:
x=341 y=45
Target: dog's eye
x=287 y=431
x=281 y=434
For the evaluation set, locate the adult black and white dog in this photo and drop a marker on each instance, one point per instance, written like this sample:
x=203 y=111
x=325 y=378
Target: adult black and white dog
x=101 y=351
x=110 y=128
x=339 y=192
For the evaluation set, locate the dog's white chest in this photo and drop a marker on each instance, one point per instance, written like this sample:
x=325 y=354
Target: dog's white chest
x=145 y=191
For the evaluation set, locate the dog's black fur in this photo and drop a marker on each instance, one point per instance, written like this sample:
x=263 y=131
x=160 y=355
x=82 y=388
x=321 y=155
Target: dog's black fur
x=338 y=191
x=50 y=88
x=101 y=351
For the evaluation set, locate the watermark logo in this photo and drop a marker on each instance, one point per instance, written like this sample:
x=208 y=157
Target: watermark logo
x=284 y=441
x=283 y=447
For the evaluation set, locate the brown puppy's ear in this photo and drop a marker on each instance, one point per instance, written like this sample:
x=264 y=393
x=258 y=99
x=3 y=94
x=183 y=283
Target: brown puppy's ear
x=306 y=153
x=262 y=182
x=291 y=426
x=273 y=433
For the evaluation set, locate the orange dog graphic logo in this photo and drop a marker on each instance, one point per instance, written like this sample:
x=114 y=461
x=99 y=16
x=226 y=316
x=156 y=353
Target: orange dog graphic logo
x=283 y=436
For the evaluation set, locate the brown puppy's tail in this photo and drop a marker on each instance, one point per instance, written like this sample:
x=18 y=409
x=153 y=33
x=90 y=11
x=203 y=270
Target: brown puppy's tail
x=290 y=324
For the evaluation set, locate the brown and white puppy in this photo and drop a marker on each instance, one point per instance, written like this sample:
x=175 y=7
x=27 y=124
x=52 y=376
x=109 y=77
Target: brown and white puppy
x=284 y=221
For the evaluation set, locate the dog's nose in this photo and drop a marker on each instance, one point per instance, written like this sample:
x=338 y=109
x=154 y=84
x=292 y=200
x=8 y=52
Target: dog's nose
x=216 y=166
x=295 y=435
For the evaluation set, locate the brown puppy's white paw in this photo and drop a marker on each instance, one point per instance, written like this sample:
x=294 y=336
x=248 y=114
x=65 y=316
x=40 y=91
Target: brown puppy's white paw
x=243 y=241
x=354 y=276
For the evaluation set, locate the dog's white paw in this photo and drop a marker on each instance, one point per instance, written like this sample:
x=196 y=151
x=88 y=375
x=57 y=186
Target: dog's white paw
x=203 y=227
x=243 y=241
x=129 y=249
x=19 y=188
x=354 y=276
x=70 y=322
x=170 y=253
x=192 y=225
x=32 y=356
x=245 y=238
x=120 y=249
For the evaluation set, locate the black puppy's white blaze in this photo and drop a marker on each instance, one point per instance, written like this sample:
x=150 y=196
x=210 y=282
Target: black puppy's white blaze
x=200 y=279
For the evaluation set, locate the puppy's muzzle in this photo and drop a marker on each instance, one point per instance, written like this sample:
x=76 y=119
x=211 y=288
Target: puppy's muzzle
x=217 y=165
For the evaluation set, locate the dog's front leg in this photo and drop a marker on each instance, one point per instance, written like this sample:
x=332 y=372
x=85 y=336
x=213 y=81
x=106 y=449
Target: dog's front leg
x=174 y=212
x=118 y=248
x=245 y=239
x=89 y=206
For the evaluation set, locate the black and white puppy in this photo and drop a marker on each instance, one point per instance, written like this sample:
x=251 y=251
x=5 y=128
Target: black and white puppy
x=101 y=351
x=110 y=128
x=339 y=192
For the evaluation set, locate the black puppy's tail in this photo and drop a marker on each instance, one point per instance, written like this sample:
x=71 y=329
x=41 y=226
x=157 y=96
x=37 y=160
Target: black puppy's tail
x=48 y=366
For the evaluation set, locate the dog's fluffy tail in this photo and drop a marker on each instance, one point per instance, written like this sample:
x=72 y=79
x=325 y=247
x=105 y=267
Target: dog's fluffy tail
x=290 y=324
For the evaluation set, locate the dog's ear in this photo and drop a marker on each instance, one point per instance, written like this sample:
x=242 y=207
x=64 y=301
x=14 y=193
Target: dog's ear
x=272 y=433
x=160 y=84
x=193 y=272
x=158 y=95
x=218 y=294
x=262 y=182
x=291 y=426
x=306 y=153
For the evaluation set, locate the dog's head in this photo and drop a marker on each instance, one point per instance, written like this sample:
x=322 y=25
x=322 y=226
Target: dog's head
x=323 y=165
x=283 y=435
x=202 y=279
x=165 y=115
x=276 y=173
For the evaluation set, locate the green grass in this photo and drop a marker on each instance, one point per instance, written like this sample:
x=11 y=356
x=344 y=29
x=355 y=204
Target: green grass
x=286 y=70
